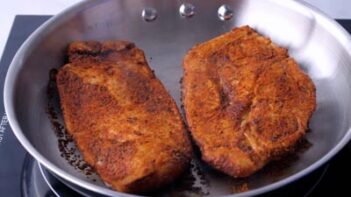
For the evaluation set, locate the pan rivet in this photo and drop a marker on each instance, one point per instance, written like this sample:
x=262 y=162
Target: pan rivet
x=149 y=14
x=225 y=12
x=187 y=10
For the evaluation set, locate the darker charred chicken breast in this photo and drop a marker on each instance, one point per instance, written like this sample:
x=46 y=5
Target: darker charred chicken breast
x=121 y=117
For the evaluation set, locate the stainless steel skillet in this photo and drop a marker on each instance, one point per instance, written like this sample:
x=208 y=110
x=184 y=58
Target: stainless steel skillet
x=319 y=44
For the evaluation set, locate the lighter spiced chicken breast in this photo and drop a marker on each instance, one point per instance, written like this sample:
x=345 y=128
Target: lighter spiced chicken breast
x=246 y=101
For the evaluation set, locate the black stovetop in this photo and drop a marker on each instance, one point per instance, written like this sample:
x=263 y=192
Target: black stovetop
x=11 y=151
x=19 y=173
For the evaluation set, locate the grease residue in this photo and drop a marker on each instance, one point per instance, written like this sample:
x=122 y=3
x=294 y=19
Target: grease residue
x=66 y=143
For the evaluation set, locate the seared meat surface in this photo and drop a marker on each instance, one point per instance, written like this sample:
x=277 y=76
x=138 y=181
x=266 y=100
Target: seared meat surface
x=246 y=101
x=121 y=117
